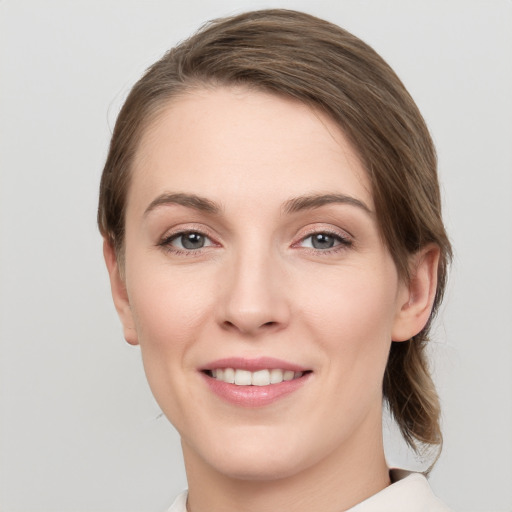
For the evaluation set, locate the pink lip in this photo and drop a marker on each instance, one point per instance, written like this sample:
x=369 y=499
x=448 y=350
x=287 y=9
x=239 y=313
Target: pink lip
x=253 y=365
x=254 y=396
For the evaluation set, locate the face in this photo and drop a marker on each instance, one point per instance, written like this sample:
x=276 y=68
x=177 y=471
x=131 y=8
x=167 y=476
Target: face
x=257 y=284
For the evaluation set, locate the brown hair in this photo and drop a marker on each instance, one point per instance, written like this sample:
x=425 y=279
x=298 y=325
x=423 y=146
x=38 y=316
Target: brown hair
x=319 y=64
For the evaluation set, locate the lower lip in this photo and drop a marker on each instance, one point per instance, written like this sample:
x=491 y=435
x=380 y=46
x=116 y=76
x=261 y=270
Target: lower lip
x=254 y=396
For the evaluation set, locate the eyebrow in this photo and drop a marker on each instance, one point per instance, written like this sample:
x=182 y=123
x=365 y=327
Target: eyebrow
x=294 y=205
x=189 y=200
x=310 y=202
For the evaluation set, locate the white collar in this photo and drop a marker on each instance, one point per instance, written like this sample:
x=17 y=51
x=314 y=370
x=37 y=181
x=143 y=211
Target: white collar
x=409 y=492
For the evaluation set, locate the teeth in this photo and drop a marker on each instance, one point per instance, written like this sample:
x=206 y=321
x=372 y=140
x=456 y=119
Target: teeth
x=229 y=375
x=243 y=378
x=261 y=378
x=288 y=375
x=276 y=376
x=258 y=378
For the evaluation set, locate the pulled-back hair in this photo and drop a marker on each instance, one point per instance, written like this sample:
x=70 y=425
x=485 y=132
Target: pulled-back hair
x=299 y=56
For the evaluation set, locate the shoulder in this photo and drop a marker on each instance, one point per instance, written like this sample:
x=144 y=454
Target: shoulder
x=409 y=492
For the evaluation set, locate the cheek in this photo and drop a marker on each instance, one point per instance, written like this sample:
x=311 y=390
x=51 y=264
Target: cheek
x=167 y=310
x=353 y=300
x=170 y=311
x=351 y=314
x=171 y=306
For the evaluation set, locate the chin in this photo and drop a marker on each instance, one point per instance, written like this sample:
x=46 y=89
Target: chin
x=263 y=468
x=249 y=456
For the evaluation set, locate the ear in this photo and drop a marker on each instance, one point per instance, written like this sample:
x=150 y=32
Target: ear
x=119 y=294
x=416 y=301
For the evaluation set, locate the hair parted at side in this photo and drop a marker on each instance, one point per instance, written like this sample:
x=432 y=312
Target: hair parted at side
x=317 y=63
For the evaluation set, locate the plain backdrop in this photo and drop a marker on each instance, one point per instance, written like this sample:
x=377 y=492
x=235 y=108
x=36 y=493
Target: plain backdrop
x=79 y=429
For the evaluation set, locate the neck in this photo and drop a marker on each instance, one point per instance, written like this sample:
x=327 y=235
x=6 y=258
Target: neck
x=345 y=477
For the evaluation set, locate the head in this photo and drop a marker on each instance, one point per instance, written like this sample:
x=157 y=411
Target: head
x=311 y=63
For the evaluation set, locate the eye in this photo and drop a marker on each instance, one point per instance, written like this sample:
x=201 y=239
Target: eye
x=187 y=241
x=323 y=241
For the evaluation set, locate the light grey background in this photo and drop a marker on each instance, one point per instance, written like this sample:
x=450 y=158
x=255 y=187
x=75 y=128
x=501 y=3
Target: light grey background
x=79 y=429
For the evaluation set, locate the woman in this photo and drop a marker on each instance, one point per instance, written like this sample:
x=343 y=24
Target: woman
x=274 y=240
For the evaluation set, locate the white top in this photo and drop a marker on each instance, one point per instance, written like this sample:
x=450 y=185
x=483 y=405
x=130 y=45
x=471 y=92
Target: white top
x=409 y=492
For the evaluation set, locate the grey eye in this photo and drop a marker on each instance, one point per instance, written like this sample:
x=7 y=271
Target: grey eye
x=322 y=241
x=191 y=240
x=186 y=241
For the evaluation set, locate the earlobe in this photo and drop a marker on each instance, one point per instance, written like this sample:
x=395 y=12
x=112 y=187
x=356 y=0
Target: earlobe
x=416 y=303
x=120 y=294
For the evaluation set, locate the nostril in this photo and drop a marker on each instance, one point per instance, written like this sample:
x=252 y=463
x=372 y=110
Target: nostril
x=229 y=325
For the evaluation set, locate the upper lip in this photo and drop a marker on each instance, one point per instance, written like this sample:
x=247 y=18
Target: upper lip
x=254 y=364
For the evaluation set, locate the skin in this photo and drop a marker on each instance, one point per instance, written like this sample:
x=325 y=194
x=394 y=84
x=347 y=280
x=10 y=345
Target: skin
x=259 y=288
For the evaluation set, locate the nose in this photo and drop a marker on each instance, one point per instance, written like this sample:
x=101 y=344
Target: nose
x=254 y=299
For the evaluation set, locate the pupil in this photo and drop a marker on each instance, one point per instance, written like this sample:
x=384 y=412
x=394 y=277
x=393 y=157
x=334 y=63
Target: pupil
x=192 y=241
x=322 y=241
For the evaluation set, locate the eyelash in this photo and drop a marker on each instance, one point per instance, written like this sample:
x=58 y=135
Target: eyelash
x=343 y=242
x=166 y=242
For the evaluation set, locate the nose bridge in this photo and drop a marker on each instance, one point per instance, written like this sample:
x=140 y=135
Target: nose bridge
x=254 y=298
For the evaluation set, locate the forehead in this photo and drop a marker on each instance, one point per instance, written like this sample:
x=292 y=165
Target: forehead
x=232 y=143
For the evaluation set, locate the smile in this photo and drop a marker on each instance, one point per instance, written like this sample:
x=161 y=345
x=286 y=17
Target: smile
x=265 y=377
x=256 y=382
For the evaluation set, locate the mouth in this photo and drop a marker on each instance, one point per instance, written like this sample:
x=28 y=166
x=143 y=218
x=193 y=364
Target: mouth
x=264 y=377
x=254 y=382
